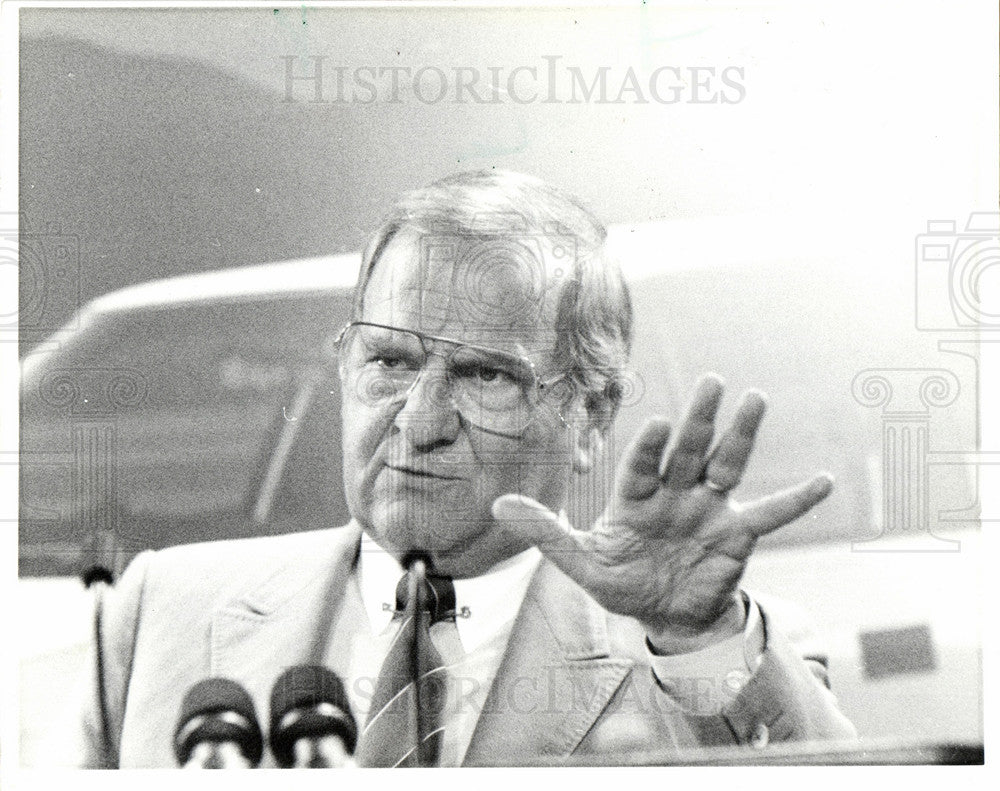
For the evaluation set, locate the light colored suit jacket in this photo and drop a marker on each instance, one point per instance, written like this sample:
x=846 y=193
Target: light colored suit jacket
x=574 y=680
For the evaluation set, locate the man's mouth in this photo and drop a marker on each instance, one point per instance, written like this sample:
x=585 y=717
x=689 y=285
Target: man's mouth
x=421 y=472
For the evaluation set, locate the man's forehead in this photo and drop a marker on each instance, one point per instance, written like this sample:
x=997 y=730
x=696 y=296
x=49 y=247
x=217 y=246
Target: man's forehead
x=498 y=291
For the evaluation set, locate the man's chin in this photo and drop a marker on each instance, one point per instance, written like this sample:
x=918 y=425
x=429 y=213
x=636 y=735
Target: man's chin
x=461 y=563
x=456 y=549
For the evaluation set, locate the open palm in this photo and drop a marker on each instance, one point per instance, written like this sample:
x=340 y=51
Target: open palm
x=671 y=546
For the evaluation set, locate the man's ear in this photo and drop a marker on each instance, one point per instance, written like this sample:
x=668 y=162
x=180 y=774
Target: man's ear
x=593 y=418
x=588 y=444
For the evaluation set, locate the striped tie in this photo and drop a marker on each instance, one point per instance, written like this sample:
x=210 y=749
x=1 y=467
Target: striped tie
x=403 y=716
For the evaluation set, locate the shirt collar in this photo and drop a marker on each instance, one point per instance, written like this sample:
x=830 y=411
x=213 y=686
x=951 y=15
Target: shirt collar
x=492 y=599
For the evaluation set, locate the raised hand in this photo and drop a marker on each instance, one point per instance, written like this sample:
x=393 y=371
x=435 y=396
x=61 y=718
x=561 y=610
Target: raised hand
x=671 y=546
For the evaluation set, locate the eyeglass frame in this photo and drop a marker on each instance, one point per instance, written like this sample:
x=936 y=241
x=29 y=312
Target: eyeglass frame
x=539 y=383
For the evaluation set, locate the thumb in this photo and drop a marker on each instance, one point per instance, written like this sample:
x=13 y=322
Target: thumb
x=535 y=524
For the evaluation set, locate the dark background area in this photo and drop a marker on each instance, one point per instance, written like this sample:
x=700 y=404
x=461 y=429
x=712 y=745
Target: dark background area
x=164 y=166
x=161 y=142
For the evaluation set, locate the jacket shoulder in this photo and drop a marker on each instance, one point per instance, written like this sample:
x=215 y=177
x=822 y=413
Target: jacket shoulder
x=155 y=622
x=215 y=571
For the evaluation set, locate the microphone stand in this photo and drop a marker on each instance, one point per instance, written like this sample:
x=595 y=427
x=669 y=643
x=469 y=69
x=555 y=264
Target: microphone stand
x=100 y=580
x=418 y=599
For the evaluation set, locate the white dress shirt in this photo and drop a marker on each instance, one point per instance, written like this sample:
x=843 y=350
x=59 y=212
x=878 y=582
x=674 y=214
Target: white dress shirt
x=701 y=681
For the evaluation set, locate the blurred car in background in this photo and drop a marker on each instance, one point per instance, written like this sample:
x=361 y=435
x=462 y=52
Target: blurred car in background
x=205 y=407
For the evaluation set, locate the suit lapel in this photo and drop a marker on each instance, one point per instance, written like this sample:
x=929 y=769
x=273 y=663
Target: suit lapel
x=554 y=681
x=292 y=617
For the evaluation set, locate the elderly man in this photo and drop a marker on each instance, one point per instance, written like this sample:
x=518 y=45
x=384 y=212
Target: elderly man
x=481 y=370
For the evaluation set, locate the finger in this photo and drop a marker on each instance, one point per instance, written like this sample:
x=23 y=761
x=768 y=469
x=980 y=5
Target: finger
x=639 y=473
x=776 y=510
x=729 y=459
x=685 y=458
x=535 y=524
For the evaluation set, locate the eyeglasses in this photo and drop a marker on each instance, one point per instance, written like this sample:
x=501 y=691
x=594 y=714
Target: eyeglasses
x=492 y=389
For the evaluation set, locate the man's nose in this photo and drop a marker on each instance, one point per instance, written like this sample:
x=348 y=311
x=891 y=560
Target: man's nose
x=428 y=418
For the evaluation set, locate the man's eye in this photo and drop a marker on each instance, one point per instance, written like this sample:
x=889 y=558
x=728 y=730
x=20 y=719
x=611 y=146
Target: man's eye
x=388 y=361
x=489 y=375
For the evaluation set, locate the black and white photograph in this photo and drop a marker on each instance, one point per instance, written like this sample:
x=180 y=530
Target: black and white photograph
x=498 y=385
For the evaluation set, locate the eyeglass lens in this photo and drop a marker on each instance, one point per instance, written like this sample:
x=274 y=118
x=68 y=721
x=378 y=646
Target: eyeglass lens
x=489 y=388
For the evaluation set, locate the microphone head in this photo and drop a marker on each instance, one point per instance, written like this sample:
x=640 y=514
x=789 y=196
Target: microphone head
x=309 y=701
x=97 y=573
x=412 y=556
x=218 y=710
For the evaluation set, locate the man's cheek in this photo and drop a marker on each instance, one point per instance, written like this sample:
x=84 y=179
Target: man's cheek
x=362 y=430
x=360 y=441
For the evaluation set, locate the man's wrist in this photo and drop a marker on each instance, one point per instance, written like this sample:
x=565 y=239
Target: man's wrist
x=668 y=640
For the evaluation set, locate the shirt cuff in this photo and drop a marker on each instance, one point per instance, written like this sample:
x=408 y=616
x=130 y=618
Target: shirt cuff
x=704 y=682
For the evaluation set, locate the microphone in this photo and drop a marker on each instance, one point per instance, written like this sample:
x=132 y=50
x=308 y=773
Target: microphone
x=101 y=579
x=311 y=722
x=417 y=566
x=96 y=573
x=218 y=728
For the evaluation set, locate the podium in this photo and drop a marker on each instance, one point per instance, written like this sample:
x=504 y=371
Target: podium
x=852 y=753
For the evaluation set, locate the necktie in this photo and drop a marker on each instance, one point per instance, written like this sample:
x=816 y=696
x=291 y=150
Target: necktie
x=405 y=724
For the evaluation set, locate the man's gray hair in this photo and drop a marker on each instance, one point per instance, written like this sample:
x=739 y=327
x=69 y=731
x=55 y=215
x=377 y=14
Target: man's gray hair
x=593 y=305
